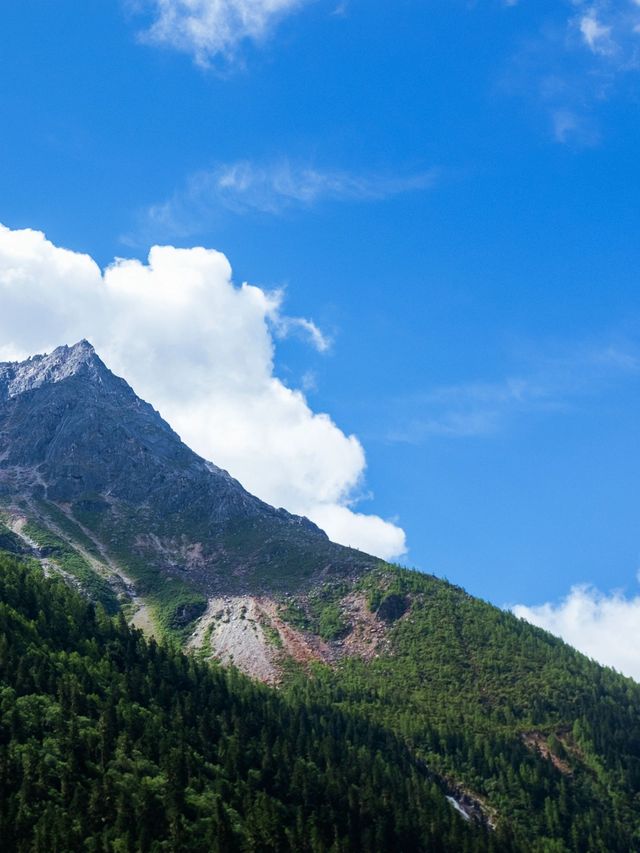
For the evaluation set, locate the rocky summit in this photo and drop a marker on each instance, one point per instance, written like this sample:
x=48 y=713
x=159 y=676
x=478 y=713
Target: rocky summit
x=80 y=433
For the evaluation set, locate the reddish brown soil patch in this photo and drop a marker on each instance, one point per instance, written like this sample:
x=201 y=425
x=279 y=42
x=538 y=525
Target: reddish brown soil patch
x=538 y=742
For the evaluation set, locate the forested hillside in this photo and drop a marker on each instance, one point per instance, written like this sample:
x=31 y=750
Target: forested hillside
x=109 y=742
x=546 y=740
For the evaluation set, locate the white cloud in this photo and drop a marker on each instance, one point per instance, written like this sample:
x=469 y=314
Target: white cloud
x=285 y=326
x=580 y=55
x=206 y=29
x=201 y=350
x=350 y=527
x=609 y=30
x=271 y=188
x=604 y=627
x=596 y=35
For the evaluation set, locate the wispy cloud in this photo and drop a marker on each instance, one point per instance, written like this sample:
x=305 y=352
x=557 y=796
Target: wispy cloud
x=475 y=409
x=603 y=626
x=597 y=36
x=610 y=29
x=581 y=55
x=552 y=385
x=213 y=29
x=570 y=126
x=341 y=10
x=245 y=187
x=285 y=326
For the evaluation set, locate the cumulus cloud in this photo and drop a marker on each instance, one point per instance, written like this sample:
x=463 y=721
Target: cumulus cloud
x=201 y=350
x=206 y=29
x=270 y=188
x=604 y=627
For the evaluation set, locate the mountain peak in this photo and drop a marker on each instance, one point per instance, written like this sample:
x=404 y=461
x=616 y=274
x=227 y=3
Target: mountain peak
x=83 y=346
x=64 y=362
x=73 y=434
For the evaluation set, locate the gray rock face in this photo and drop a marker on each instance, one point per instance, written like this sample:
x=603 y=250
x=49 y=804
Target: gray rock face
x=73 y=434
x=86 y=432
x=19 y=377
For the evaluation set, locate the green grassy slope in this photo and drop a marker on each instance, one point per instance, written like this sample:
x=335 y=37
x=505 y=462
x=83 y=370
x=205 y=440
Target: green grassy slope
x=174 y=602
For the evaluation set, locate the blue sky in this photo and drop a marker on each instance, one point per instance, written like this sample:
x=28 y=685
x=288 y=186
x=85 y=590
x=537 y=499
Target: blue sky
x=447 y=190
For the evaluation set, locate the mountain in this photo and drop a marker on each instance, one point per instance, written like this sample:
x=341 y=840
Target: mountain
x=507 y=738
x=82 y=458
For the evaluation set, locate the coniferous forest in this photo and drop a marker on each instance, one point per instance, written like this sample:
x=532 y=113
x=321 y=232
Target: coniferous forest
x=113 y=742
